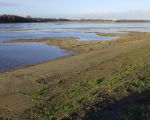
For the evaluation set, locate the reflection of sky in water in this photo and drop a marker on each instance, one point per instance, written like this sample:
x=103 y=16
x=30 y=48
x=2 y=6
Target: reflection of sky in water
x=81 y=34
x=70 y=25
x=41 y=30
x=136 y=29
x=19 y=54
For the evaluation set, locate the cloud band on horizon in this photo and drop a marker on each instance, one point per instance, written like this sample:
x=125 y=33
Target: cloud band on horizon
x=6 y=4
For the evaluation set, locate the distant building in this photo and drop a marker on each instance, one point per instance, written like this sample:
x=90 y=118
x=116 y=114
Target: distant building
x=114 y=20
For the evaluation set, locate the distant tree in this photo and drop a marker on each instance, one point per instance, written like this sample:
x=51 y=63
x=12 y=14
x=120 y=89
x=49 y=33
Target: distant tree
x=29 y=17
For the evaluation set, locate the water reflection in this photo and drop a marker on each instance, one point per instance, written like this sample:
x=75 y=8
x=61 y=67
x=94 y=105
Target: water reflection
x=19 y=54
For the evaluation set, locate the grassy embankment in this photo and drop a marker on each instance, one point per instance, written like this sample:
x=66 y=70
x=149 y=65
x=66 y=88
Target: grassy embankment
x=89 y=93
x=86 y=93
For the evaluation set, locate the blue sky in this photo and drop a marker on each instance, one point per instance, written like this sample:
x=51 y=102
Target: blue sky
x=106 y=9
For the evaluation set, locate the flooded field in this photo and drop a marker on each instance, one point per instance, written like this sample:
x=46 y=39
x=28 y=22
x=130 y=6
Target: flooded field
x=20 y=54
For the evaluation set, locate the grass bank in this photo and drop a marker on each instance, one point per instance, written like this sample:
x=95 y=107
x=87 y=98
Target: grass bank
x=87 y=93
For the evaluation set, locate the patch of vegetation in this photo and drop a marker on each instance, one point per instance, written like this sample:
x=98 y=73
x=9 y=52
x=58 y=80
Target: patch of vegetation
x=114 y=79
x=95 y=82
x=121 y=76
x=136 y=85
x=41 y=92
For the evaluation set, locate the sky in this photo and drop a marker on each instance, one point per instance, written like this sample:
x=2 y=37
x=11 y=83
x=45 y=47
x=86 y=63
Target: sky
x=77 y=9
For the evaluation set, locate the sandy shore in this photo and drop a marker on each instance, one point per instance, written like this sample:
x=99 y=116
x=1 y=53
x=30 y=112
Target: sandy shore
x=17 y=85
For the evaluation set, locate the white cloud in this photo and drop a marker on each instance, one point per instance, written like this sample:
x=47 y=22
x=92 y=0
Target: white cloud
x=132 y=14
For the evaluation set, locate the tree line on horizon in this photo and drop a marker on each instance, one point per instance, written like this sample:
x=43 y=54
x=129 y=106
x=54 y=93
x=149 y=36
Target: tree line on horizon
x=29 y=19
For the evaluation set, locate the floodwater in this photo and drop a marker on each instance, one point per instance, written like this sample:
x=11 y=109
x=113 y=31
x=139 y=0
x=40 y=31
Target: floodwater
x=82 y=31
x=14 y=55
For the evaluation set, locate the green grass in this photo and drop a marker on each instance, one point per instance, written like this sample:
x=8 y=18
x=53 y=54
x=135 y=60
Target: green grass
x=133 y=77
x=80 y=93
x=117 y=78
x=95 y=82
x=41 y=92
x=134 y=85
